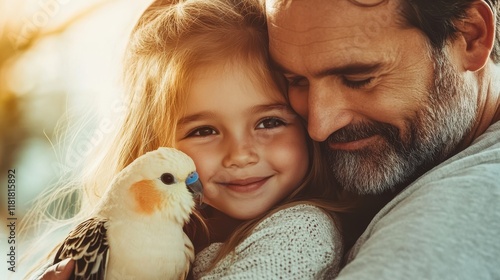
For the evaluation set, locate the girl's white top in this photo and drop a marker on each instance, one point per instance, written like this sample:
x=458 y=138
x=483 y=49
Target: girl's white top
x=300 y=242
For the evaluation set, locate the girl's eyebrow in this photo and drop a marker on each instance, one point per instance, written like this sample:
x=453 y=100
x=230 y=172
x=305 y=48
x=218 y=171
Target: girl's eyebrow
x=195 y=117
x=254 y=110
x=270 y=107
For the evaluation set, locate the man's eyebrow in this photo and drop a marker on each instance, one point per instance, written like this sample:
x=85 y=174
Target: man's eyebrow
x=349 y=69
x=277 y=66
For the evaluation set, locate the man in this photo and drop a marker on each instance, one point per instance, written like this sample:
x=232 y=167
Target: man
x=405 y=96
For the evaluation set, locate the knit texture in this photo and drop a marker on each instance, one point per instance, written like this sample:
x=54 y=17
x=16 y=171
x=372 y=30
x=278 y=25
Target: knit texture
x=300 y=242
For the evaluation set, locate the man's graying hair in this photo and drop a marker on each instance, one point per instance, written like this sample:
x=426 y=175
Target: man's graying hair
x=436 y=18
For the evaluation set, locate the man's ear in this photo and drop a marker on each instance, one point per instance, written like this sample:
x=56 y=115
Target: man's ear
x=476 y=32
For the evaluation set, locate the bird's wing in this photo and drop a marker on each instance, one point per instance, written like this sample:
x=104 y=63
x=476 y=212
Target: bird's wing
x=88 y=245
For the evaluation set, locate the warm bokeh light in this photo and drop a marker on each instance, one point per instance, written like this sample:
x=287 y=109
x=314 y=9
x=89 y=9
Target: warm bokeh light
x=59 y=63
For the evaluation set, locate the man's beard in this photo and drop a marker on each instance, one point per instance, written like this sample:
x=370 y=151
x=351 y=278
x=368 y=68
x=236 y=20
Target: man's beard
x=429 y=137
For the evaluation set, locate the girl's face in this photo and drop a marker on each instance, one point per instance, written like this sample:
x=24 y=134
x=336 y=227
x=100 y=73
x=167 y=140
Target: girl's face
x=248 y=146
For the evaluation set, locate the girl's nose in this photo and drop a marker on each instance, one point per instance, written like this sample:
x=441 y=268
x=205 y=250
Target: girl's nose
x=240 y=153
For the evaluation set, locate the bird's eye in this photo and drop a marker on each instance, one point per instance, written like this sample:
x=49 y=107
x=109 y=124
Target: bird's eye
x=167 y=178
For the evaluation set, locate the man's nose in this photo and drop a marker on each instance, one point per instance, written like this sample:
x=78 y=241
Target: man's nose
x=327 y=111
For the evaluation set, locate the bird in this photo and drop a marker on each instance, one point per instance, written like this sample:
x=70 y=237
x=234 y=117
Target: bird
x=136 y=229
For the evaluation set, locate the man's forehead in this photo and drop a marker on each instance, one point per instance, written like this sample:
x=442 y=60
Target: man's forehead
x=304 y=16
x=311 y=18
x=274 y=6
x=302 y=34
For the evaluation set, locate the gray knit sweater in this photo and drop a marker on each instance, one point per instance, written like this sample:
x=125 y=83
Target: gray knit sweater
x=300 y=242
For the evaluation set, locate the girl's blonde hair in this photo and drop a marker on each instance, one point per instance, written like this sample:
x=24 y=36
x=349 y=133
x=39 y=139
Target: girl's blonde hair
x=170 y=41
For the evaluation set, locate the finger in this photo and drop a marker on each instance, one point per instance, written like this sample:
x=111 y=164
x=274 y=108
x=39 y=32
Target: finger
x=64 y=269
x=59 y=271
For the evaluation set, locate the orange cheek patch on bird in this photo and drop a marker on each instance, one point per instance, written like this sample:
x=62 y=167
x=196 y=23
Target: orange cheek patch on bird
x=148 y=198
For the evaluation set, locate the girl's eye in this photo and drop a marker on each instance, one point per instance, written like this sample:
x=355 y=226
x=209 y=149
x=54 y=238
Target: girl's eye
x=270 y=123
x=356 y=84
x=202 y=132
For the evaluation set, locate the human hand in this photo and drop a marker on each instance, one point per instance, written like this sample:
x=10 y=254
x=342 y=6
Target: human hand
x=59 y=271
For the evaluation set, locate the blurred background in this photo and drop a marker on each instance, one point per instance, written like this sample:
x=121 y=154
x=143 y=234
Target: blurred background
x=60 y=62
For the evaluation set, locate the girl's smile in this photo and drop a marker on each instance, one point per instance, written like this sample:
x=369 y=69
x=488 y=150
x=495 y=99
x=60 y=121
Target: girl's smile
x=245 y=185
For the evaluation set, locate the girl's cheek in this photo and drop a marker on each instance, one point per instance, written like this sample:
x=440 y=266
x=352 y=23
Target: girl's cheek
x=209 y=193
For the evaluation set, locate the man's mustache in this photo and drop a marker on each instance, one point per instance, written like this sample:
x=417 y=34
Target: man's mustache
x=359 y=131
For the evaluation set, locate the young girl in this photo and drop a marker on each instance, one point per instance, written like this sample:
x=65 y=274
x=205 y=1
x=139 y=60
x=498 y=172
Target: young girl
x=200 y=81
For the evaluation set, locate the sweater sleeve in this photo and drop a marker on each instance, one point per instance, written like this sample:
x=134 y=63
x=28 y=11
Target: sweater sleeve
x=301 y=242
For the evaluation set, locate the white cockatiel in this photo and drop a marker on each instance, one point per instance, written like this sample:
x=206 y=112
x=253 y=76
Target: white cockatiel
x=136 y=231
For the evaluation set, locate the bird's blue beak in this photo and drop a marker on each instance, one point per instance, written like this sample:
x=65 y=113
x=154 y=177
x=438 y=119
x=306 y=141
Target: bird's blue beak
x=194 y=185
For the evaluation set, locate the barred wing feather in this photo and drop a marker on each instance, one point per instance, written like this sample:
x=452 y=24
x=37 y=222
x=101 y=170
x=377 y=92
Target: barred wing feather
x=88 y=245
